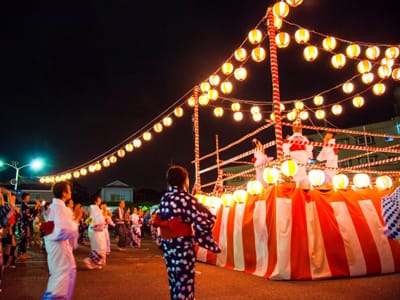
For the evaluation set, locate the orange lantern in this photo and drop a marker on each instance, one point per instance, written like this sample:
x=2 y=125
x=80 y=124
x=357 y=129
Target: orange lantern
x=367 y=78
x=348 y=87
x=255 y=36
x=83 y=171
x=137 y=143
x=384 y=71
x=106 y=163
x=147 y=136
x=318 y=100
x=204 y=86
x=158 y=127
x=129 y=147
x=113 y=159
x=378 y=89
x=167 y=121
x=364 y=66
x=258 y=54
x=338 y=61
x=396 y=74
x=240 y=54
x=353 y=51
x=282 y=39
x=280 y=9
x=214 y=79
x=320 y=114
x=372 y=52
x=302 y=36
x=392 y=52
x=204 y=99
x=294 y=3
x=329 y=43
x=235 y=106
x=254 y=187
x=310 y=53
x=178 y=112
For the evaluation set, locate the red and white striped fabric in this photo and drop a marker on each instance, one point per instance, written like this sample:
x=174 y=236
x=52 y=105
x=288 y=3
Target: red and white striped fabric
x=294 y=234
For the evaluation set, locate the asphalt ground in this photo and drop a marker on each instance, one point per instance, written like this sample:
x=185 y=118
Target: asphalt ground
x=140 y=273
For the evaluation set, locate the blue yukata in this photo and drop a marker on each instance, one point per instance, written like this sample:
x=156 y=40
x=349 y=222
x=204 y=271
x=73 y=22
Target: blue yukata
x=179 y=252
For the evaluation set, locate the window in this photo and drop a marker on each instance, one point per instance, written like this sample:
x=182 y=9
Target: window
x=116 y=197
x=360 y=140
x=389 y=139
x=345 y=164
x=344 y=141
x=365 y=160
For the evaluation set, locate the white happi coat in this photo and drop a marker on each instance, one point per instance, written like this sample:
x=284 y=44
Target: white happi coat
x=97 y=239
x=299 y=156
x=59 y=246
x=328 y=153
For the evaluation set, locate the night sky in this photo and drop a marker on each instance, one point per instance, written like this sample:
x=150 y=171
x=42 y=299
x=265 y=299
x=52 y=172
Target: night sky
x=78 y=77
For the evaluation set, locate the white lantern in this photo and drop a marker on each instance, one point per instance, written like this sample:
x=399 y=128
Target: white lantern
x=254 y=187
x=289 y=167
x=384 y=182
x=227 y=199
x=240 y=196
x=316 y=177
x=271 y=175
x=340 y=181
x=361 y=180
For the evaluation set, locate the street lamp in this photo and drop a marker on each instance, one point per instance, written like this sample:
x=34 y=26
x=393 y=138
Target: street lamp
x=35 y=165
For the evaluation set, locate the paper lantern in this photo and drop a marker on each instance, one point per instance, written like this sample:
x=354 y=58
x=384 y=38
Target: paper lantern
x=213 y=94
x=304 y=115
x=361 y=180
x=316 y=177
x=238 y=116
x=97 y=166
x=271 y=175
x=226 y=87
x=200 y=198
x=240 y=54
x=367 y=78
x=240 y=196
x=68 y=176
x=137 y=143
x=227 y=199
x=207 y=201
x=282 y=39
x=191 y=101
x=384 y=71
x=204 y=99
x=227 y=68
x=291 y=115
x=384 y=182
x=372 y=52
x=83 y=171
x=282 y=107
x=392 y=52
x=178 y=112
x=358 y=101
x=129 y=147
x=337 y=109
x=320 y=114
x=255 y=109
x=257 y=117
x=147 y=136
x=340 y=181
x=338 y=61
x=348 y=87
x=106 y=163
x=353 y=51
x=294 y=3
x=396 y=74
x=258 y=54
x=387 y=62
x=255 y=36
x=289 y=168
x=299 y=105
x=158 y=127
x=310 y=53
x=42 y=180
x=216 y=202
x=204 y=86
x=302 y=36
x=235 y=106
x=254 y=187
x=214 y=80
x=378 y=89
x=240 y=73
x=121 y=153
x=218 y=112
x=318 y=100
x=364 y=66
x=76 y=174
x=113 y=159
x=329 y=43
x=280 y=9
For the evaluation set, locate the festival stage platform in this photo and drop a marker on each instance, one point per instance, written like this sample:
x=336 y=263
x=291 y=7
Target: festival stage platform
x=289 y=233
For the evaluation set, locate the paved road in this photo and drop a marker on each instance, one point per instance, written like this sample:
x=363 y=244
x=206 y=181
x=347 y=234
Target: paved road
x=141 y=274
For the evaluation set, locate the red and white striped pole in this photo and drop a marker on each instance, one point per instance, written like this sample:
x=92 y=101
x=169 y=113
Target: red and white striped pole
x=197 y=184
x=275 y=83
